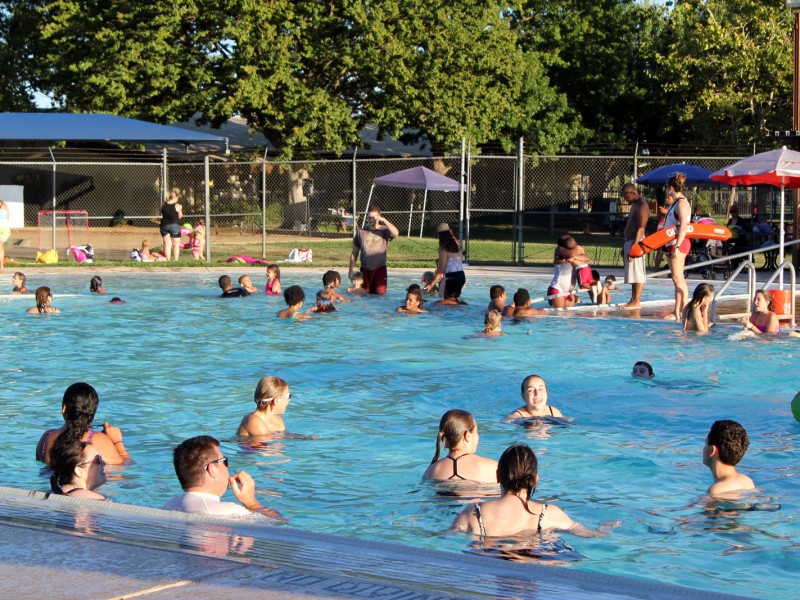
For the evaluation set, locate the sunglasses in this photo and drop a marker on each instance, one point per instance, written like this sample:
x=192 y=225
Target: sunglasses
x=96 y=460
x=221 y=459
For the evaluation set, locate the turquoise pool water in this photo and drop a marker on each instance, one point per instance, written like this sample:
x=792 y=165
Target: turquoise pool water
x=177 y=361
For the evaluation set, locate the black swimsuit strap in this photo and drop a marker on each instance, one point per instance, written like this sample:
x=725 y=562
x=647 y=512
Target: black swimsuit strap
x=455 y=467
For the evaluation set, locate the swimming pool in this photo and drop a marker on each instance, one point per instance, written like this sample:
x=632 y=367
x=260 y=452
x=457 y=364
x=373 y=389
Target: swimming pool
x=177 y=361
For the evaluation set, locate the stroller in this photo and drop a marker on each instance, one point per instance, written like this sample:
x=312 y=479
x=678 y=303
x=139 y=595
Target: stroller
x=705 y=250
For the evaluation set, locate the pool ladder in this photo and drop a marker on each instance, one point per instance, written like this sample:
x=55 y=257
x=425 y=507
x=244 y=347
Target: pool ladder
x=751 y=288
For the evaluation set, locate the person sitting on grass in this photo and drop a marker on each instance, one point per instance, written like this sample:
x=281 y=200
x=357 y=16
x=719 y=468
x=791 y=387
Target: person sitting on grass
x=294 y=296
x=725 y=446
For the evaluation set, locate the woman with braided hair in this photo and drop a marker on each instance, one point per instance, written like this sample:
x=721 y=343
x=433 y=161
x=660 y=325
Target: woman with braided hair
x=514 y=512
x=78 y=408
x=458 y=432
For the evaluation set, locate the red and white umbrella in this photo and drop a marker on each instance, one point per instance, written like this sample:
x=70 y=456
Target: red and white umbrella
x=779 y=168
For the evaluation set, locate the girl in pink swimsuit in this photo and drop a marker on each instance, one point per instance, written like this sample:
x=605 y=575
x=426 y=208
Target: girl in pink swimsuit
x=762 y=319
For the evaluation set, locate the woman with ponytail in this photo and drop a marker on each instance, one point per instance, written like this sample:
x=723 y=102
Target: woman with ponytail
x=514 y=512
x=77 y=469
x=78 y=408
x=678 y=216
x=458 y=432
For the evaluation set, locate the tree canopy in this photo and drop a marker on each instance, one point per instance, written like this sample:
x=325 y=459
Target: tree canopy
x=563 y=74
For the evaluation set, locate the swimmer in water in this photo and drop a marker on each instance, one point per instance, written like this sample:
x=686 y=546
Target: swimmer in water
x=642 y=370
x=725 y=446
x=534 y=393
x=458 y=432
x=272 y=397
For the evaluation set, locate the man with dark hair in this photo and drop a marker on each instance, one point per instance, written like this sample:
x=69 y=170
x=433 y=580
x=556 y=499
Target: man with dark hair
x=635 y=272
x=522 y=305
x=228 y=291
x=725 y=446
x=371 y=242
x=203 y=473
x=497 y=295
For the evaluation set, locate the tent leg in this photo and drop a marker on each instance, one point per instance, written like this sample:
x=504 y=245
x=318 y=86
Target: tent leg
x=424 y=206
x=410 y=214
x=366 y=208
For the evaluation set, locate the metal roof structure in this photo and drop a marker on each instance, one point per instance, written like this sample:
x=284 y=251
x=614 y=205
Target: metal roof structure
x=49 y=126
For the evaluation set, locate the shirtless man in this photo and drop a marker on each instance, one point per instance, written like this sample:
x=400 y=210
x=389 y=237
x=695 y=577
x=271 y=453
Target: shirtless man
x=635 y=273
x=725 y=446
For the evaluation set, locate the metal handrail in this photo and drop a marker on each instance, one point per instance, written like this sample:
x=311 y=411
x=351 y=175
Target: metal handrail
x=749 y=254
x=751 y=285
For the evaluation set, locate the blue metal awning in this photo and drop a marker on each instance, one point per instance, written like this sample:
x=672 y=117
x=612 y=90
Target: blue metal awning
x=93 y=127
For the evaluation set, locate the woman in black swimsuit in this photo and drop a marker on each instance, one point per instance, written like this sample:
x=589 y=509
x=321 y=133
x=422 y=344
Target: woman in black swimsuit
x=458 y=432
x=514 y=512
x=171 y=215
x=77 y=469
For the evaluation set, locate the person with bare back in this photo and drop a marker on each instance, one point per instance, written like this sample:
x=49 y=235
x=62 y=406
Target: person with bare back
x=635 y=272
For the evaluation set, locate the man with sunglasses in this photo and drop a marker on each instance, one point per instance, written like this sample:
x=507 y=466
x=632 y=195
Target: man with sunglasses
x=202 y=470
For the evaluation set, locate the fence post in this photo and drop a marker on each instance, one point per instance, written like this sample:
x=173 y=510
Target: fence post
x=354 y=187
x=52 y=156
x=461 y=181
x=263 y=204
x=467 y=200
x=164 y=181
x=207 y=190
x=520 y=198
x=635 y=162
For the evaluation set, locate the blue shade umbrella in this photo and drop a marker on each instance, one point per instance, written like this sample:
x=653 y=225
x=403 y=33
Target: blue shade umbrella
x=695 y=175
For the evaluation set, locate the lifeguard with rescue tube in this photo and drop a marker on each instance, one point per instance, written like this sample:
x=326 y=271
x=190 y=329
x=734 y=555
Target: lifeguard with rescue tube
x=701 y=231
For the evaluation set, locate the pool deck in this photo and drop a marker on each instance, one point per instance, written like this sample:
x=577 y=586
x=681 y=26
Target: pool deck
x=61 y=547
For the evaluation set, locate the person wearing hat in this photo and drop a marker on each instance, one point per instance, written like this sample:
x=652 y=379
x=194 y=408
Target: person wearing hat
x=450 y=265
x=371 y=242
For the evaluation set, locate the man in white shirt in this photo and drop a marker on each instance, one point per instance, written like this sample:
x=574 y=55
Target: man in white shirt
x=202 y=470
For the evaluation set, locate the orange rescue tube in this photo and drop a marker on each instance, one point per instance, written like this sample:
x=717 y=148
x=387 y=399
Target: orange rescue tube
x=693 y=231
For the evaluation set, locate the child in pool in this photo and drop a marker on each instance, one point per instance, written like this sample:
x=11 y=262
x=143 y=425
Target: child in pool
x=497 y=297
x=273 y=281
x=324 y=302
x=695 y=315
x=247 y=284
x=492 y=324
x=534 y=393
x=725 y=446
x=642 y=370
x=272 y=397
x=331 y=281
x=96 y=285
x=358 y=285
x=427 y=279
x=18 y=280
x=294 y=296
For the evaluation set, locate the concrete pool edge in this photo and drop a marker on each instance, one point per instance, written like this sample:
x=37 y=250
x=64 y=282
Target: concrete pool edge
x=162 y=550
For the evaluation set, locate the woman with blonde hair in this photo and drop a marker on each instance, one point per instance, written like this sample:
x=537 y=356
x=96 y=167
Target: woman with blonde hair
x=171 y=215
x=458 y=432
x=492 y=324
x=272 y=397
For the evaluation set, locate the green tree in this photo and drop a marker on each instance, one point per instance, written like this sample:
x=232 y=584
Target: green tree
x=445 y=70
x=601 y=55
x=727 y=68
x=16 y=69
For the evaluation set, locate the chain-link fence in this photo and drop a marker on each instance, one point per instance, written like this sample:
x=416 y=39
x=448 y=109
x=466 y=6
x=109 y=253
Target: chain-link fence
x=511 y=209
